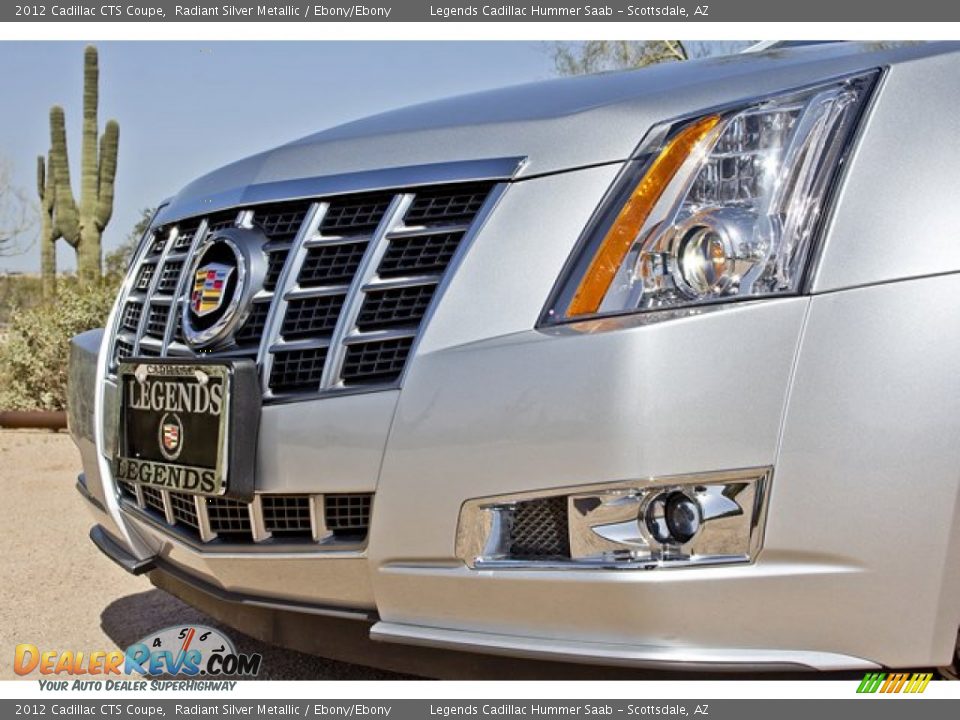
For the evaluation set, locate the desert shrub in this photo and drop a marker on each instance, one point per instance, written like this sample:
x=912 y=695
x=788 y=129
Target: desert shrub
x=18 y=291
x=35 y=351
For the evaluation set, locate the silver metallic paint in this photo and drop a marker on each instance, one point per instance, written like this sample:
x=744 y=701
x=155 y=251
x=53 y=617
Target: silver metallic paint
x=852 y=395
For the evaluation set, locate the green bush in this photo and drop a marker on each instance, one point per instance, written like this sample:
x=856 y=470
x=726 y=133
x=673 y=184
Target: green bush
x=36 y=350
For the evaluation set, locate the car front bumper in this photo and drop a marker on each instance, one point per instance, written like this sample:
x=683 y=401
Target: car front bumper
x=847 y=577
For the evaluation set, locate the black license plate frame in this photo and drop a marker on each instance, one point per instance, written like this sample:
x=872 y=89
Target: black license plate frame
x=168 y=436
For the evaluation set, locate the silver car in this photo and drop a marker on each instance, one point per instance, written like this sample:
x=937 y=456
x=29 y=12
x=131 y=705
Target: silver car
x=655 y=369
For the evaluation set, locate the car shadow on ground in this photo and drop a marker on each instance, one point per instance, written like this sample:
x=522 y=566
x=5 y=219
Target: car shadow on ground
x=130 y=618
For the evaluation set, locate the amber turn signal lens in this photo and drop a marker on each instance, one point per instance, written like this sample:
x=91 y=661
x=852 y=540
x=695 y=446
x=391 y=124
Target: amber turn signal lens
x=622 y=234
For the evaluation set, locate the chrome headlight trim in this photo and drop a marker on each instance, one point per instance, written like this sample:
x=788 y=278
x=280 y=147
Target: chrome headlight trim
x=659 y=234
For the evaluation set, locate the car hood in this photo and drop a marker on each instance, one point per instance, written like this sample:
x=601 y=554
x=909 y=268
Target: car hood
x=548 y=127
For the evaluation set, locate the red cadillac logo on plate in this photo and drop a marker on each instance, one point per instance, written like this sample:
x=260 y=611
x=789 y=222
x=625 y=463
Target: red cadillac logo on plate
x=171 y=436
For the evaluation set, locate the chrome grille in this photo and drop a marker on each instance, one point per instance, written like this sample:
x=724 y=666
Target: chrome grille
x=170 y=276
x=355 y=216
x=425 y=253
x=396 y=306
x=157 y=320
x=298 y=370
x=380 y=361
x=312 y=316
x=349 y=282
x=145 y=276
x=540 y=529
x=341 y=520
x=131 y=316
x=252 y=330
x=329 y=264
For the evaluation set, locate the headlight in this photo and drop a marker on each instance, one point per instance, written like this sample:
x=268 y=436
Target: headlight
x=718 y=207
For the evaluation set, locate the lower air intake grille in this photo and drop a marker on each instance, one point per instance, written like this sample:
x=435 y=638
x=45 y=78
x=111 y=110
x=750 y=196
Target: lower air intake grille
x=228 y=516
x=184 y=509
x=287 y=514
x=347 y=514
x=153 y=498
x=540 y=529
x=286 y=518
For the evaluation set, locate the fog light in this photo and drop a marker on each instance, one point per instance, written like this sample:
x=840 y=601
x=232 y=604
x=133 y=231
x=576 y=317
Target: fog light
x=673 y=518
x=677 y=521
x=683 y=517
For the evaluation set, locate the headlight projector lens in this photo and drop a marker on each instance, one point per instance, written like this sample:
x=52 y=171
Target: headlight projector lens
x=705 y=263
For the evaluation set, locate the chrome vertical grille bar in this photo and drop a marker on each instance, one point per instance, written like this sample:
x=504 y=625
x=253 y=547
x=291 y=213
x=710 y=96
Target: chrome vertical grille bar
x=288 y=278
x=177 y=304
x=152 y=288
x=318 y=519
x=203 y=519
x=258 y=528
x=346 y=323
x=168 y=507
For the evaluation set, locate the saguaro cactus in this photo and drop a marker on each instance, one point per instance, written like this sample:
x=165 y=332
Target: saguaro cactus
x=82 y=226
x=49 y=234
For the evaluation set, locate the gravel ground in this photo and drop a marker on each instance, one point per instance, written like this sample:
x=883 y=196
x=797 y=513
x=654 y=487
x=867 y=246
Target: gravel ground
x=58 y=592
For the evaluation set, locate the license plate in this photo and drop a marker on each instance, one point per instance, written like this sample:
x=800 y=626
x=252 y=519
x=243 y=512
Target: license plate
x=179 y=429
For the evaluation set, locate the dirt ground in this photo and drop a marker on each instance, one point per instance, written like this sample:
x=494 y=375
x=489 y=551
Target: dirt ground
x=59 y=593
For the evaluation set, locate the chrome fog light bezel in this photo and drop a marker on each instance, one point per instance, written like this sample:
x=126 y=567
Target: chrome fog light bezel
x=607 y=526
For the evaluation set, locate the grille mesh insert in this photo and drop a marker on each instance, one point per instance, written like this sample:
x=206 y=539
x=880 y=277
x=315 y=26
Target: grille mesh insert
x=185 y=234
x=169 y=277
x=540 y=529
x=355 y=215
x=253 y=327
x=157 y=320
x=297 y=370
x=331 y=264
x=287 y=514
x=280 y=222
x=447 y=205
x=153 y=498
x=228 y=516
x=131 y=316
x=377 y=361
x=399 y=306
x=419 y=254
x=144 y=276
x=184 y=509
x=312 y=316
x=124 y=350
x=275 y=262
x=347 y=514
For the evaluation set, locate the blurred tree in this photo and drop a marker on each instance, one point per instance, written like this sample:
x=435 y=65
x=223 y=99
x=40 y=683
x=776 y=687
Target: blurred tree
x=18 y=215
x=593 y=56
x=117 y=260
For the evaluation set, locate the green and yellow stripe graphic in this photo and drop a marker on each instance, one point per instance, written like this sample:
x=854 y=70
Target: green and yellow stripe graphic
x=894 y=683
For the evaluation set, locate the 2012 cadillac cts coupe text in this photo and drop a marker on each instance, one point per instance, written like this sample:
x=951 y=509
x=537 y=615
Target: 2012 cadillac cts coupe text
x=655 y=368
